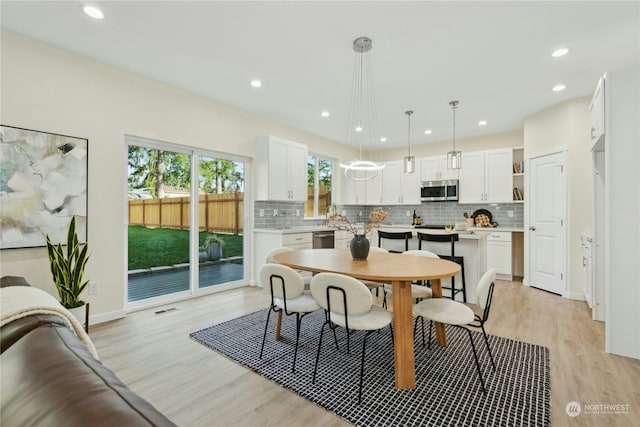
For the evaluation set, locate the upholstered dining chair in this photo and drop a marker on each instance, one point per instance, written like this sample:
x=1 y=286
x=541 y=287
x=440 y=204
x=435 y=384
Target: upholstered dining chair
x=288 y=296
x=370 y=284
x=349 y=304
x=400 y=235
x=453 y=238
x=418 y=291
x=273 y=252
x=457 y=314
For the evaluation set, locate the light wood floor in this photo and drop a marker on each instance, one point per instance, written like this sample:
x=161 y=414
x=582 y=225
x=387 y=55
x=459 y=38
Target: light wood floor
x=195 y=386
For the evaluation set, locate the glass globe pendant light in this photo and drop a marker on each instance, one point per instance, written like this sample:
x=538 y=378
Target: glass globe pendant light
x=409 y=162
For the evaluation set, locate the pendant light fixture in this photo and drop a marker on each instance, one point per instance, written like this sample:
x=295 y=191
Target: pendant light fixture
x=409 y=162
x=362 y=113
x=453 y=156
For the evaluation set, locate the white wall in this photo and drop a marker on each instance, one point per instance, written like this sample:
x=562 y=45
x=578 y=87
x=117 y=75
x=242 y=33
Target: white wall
x=52 y=90
x=566 y=126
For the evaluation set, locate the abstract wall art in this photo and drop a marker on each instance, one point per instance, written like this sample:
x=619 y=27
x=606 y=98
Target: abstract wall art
x=43 y=184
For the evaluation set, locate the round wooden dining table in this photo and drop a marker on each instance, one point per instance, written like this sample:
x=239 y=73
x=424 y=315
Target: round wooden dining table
x=397 y=269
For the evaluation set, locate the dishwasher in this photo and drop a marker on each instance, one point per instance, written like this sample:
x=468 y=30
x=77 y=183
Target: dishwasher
x=323 y=239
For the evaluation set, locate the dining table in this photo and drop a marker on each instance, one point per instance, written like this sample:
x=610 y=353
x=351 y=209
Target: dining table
x=399 y=270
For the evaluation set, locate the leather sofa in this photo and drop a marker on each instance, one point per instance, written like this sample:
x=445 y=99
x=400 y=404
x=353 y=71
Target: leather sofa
x=49 y=378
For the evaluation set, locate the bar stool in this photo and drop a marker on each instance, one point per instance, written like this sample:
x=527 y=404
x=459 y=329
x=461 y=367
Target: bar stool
x=453 y=238
x=406 y=235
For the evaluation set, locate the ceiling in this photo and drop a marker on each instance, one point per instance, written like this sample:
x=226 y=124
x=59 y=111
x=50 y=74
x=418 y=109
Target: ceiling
x=494 y=57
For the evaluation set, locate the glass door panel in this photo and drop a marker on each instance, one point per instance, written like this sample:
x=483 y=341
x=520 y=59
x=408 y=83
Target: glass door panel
x=220 y=217
x=159 y=222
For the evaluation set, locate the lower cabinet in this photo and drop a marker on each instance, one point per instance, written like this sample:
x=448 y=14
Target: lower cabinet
x=499 y=253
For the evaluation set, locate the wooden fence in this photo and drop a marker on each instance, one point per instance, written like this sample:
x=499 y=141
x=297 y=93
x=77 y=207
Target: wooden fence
x=216 y=212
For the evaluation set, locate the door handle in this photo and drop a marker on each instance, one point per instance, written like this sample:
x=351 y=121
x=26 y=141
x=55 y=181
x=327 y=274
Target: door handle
x=532 y=228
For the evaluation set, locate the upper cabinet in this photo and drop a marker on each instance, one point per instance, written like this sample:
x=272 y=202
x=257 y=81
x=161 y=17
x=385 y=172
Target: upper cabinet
x=435 y=168
x=486 y=176
x=281 y=170
x=399 y=188
x=596 y=116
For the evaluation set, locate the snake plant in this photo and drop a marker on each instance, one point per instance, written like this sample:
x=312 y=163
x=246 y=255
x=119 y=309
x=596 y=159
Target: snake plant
x=67 y=267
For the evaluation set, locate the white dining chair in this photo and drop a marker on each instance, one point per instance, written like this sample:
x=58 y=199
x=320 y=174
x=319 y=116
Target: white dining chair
x=287 y=296
x=270 y=260
x=457 y=314
x=369 y=283
x=349 y=304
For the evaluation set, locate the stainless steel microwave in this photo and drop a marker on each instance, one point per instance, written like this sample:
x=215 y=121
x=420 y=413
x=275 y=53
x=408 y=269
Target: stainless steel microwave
x=441 y=190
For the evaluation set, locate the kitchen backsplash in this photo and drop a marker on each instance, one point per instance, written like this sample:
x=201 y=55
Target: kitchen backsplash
x=430 y=213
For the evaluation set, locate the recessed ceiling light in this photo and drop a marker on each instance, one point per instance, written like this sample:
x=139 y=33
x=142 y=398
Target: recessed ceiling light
x=93 y=12
x=558 y=88
x=325 y=114
x=256 y=83
x=428 y=132
x=560 y=52
x=383 y=139
x=358 y=128
x=482 y=122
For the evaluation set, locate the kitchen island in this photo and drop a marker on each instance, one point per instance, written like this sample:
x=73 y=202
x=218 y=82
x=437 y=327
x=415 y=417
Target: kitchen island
x=471 y=245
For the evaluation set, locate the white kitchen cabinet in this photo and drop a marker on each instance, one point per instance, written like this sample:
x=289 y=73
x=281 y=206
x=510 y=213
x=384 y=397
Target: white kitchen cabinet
x=374 y=190
x=596 y=115
x=267 y=240
x=435 y=168
x=281 y=170
x=399 y=188
x=363 y=192
x=499 y=253
x=486 y=176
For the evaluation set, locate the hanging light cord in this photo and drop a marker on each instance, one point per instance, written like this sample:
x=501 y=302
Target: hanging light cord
x=454 y=105
x=409 y=113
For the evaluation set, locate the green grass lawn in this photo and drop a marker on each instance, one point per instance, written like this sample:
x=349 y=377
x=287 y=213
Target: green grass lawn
x=154 y=247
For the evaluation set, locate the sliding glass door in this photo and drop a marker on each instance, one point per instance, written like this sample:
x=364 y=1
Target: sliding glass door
x=185 y=213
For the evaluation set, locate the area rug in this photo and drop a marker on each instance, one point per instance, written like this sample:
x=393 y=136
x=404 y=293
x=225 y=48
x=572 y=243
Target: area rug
x=448 y=391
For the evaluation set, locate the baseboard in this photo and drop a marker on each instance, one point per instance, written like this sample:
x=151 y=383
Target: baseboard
x=578 y=296
x=106 y=317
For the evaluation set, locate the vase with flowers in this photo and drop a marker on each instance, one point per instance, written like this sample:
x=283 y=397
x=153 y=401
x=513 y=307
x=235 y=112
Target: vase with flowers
x=359 y=245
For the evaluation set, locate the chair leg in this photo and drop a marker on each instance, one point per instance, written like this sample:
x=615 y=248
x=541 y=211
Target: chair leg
x=295 y=352
x=315 y=368
x=364 y=349
x=430 y=331
x=486 y=341
x=266 y=326
x=475 y=356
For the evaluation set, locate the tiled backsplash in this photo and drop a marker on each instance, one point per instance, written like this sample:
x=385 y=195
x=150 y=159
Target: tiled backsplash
x=430 y=213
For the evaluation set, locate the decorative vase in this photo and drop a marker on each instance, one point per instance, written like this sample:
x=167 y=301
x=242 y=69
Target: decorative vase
x=359 y=246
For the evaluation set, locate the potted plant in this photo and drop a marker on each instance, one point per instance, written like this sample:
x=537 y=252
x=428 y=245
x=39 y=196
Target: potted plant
x=67 y=268
x=212 y=244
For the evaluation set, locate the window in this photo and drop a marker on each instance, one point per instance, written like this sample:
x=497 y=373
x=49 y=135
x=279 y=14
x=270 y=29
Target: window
x=319 y=185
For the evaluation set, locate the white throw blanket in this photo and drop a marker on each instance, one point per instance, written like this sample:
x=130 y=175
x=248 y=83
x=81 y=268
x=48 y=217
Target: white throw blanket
x=17 y=302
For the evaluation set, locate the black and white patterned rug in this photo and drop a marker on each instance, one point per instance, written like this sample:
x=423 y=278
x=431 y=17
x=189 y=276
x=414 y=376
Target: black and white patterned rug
x=448 y=391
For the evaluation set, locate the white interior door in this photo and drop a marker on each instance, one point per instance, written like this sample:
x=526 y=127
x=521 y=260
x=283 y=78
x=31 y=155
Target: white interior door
x=547 y=238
